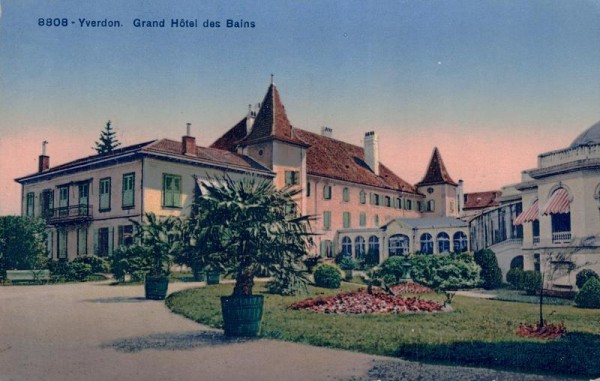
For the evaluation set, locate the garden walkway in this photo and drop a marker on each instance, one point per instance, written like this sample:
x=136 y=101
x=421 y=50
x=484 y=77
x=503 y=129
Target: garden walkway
x=93 y=331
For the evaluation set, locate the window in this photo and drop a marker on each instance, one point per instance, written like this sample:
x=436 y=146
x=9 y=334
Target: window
x=426 y=243
x=431 y=206
x=398 y=204
x=307 y=189
x=517 y=262
x=419 y=206
x=171 y=191
x=30 y=204
x=125 y=235
x=103 y=241
x=376 y=220
x=346 y=247
x=128 y=195
x=460 y=242
x=326 y=249
x=346 y=195
x=327 y=192
x=359 y=247
x=375 y=199
x=47 y=203
x=535 y=226
x=346 y=217
x=362 y=219
x=104 y=194
x=408 y=204
x=363 y=197
x=374 y=249
x=84 y=192
x=443 y=240
x=292 y=177
x=82 y=234
x=326 y=220
x=63 y=201
x=398 y=245
x=62 y=244
x=388 y=201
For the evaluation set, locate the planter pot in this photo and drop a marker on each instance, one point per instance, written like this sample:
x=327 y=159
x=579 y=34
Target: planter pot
x=242 y=315
x=156 y=287
x=199 y=275
x=348 y=275
x=213 y=277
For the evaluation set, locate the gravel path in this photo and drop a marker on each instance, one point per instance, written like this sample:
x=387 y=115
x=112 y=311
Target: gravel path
x=93 y=331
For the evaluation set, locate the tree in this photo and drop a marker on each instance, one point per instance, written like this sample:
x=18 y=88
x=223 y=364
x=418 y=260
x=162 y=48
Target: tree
x=22 y=243
x=491 y=275
x=249 y=230
x=108 y=141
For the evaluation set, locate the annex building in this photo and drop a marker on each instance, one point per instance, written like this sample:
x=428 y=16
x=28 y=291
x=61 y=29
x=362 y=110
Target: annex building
x=360 y=204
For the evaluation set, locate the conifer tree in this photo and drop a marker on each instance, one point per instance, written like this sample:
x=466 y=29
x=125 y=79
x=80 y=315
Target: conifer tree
x=108 y=141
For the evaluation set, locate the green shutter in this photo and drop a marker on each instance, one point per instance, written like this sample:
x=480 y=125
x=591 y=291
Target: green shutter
x=96 y=242
x=111 y=239
x=120 y=235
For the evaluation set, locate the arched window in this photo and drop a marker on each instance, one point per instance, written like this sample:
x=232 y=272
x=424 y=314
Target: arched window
x=346 y=247
x=363 y=197
x=359 y=247
x=346 y=194
x=327 y=192
x=398 y=245
x=460 y=242
x=517 y=262
x=374 y=249
x=426 y=243
x=443 y=241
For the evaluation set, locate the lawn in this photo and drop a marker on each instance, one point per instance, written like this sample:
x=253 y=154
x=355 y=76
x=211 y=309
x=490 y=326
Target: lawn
x=478 y=332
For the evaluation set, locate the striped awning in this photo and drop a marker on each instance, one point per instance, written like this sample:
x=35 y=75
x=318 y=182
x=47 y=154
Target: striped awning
x=529 y=215
x=558 y=203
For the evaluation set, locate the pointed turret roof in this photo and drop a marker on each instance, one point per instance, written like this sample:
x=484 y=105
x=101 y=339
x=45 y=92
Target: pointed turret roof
x=436 y=172
x=272 y=122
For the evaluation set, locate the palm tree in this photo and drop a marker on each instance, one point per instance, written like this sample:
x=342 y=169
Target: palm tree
x=249 y=227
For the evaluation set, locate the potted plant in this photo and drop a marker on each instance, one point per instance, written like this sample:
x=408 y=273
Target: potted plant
x=161 y=239
x=347 y=264
x=251 y=228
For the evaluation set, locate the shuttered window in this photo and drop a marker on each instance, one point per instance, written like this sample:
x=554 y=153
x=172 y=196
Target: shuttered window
x=171 y=191
x=128 y=194
x=104 y=194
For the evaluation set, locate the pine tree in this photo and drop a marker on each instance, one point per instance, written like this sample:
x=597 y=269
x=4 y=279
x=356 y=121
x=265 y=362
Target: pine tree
x=108 y=141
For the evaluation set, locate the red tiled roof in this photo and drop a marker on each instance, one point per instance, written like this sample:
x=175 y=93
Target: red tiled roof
x=335 y=159
x=480 y=200
x=272 y=121
x=436 y=172
x=213 y=155
x=227 y=142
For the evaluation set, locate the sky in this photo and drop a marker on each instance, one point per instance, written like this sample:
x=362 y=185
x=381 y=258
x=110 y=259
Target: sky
x=492 y=84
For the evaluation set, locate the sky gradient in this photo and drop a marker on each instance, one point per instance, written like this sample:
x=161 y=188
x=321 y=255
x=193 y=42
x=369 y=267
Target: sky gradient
x=492 y=84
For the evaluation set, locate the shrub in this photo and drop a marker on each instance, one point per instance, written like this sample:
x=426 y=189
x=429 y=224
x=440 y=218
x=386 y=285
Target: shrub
x=97 y=264
x=589 y=295
x=311 y=263
x=514 y=276
x=391 y=270
x=583 y=276
x=446 y=271
x=22 y=243
x=531 y=282
x=61 y=271
x=129 y=260
x=80 y=271
x=491 y=275
x=371 y=258
x=328 y=277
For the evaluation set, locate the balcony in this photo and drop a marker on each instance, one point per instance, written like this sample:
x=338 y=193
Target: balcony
x=70 y=214
x=561 y=237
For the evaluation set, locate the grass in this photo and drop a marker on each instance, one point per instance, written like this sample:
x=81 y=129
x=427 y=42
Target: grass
x=478 y=333
x=519 y=296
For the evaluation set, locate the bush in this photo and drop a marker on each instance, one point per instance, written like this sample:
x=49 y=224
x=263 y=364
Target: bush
x=97 y=264
x=80 y=271
x=583 y=276
x=22 y=243
x=328 y=277
x=531 y=282
x=589 y=295
x=491 y=275
x=129 y=260
x=311 y=263
x=515 y=278
x=391 y=270
x=446 y=271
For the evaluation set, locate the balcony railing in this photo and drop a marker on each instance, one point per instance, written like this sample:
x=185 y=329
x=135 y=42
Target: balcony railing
x=75 y=213
x=561 y=237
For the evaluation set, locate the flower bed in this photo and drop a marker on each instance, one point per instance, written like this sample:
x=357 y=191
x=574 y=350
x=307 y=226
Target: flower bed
x=361 y=302
x=410 y=288
x=548 y=331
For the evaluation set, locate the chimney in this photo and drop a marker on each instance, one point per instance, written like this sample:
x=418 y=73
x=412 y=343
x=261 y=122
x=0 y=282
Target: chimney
x=250 y=120
x=43 y=160
x=327 y=131
x=372 y=151
x=188 y=143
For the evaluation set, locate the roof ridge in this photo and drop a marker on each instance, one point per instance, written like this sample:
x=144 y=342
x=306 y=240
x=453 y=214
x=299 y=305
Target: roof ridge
x=436 y=171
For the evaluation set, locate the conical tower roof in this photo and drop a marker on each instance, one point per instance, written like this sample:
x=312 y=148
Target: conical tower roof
x=436 y=172
x=272 y=121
